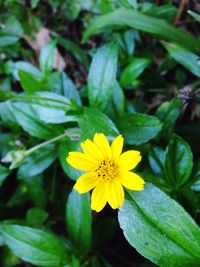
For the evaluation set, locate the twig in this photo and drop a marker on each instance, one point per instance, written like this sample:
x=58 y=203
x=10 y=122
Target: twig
x=182 y=5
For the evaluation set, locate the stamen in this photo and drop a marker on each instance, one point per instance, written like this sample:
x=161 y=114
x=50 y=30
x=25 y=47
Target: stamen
x=107 y=170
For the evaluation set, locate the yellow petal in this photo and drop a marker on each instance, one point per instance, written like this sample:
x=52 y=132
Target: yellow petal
x=131 y=181
x=86 y=182
x=101 y=141
x=115 y=194
x=129 y=159
x=92 y=150
x=99 y=197
x=117 y=146
x=80 y=161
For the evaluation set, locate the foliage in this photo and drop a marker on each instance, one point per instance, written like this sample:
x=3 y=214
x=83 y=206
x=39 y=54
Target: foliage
x=70 y=69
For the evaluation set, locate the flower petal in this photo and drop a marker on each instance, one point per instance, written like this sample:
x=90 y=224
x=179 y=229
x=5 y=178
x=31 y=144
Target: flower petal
x=116 y=146
x=86 y=182
x=131 y=181
x=101 y=141
x=80 y=161
x=92 y=150
x=115 y=194
x=129 y=159
x=99 y=197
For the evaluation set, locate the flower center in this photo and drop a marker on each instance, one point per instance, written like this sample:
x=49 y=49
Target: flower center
x=106 y=170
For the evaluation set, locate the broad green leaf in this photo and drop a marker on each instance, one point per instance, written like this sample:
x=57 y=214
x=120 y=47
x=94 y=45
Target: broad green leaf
x=27 y=118
x=133 y=71
x=139 y=21
x=51 y=107
x=185 y=57
x=46 y=57
x=65 y=147
x=102 y=76
x=194 y=15
x=178 y=161
x=159 y=228
x=5 y=113
x=156 y=160
x=139 y=128
x=37 y=247
x=4 y=172
x=38 y=161
x=94 y=121
x=79 y=220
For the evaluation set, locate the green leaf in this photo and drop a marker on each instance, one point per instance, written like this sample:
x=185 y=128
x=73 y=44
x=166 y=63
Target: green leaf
x=159 y=228
x=28 y=120
x=46 y=57
x=133 y=71
x=26 y=67
x=4 y=172
x=178 y=161
x=133 y=19
x=168 y=113
x=35 y=246
x=139 y=128
x=93 y=121
x=36 y=190
x=102 y=76
x=68 y=88
x=7 y=38
x=194 y=15
x=38 y=161
x=64 y=148
x=30 y=83
x=156 y=160
x=79 y=54
x=36 y=217
x=185 y=57
x=79 y=220
x=51 y=108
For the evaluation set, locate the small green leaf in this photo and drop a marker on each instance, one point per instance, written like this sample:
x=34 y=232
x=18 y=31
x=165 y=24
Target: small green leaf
x=79 y=54
x=102 y=76
x=36 y=190
x=36 y=217
x=92 y=121
x=30 y=83
x=4 y=172
x=185 y=57
x=168 y=113
x=178 y=161
x=134 y=19
x=133 y=71
x=194 y=15
x=46 y=57
x=79 y=220
x=150 y=219
x=139 y=128
x=38 y=161
x=35 y=246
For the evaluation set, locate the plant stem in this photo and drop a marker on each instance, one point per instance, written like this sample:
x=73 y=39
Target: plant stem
x=31 y=150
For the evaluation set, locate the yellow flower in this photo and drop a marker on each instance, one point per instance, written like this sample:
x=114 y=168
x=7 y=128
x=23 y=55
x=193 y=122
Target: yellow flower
x=106 y=171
